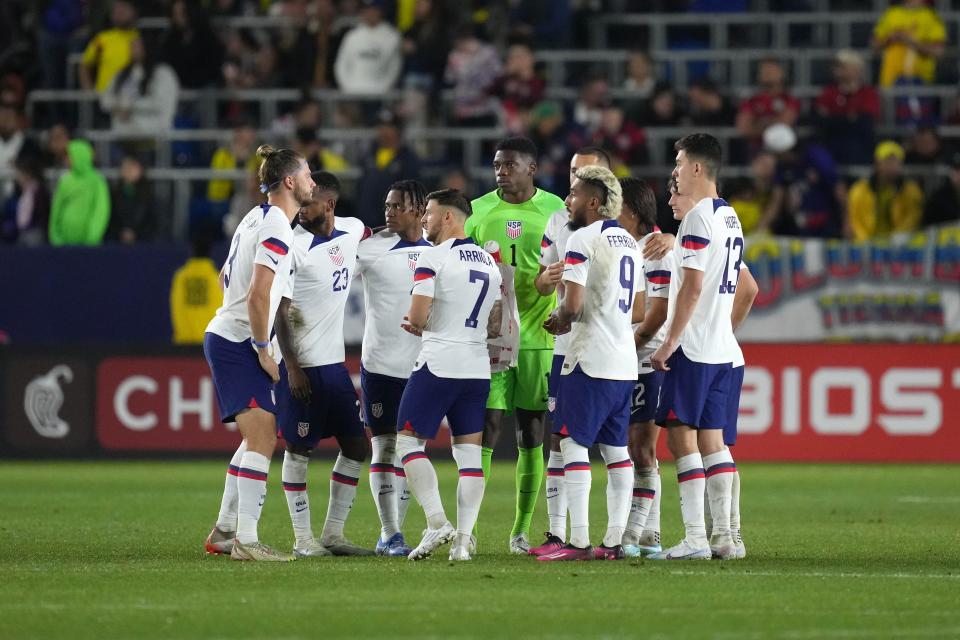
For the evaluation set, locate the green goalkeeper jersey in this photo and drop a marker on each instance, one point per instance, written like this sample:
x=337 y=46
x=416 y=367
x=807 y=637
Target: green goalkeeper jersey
x=518 y=229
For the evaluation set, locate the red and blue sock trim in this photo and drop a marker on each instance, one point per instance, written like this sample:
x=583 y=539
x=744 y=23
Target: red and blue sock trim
x=342 y=479
x=577 y=466
x=251 y=474
x=643 y=492
x=414 y=455
x=722 y=467
x=555 y=472
x=232 y=470
x=623 y=464
x=379 y=467
x=468 y=472
x=690 y=474
x=294 y=486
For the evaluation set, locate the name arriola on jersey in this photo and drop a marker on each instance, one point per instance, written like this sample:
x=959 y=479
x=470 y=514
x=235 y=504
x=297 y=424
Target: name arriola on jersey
x=472 y=255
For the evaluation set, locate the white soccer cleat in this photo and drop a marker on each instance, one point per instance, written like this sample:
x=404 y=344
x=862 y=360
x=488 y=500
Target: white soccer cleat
x=738 y=543
x=433 y=538
x=684 y=551
x=722 y=547
x=519 y=544
x=340 y=546
x=310 y=549
x=460 y=553
x=219 y=542
x=259 y=552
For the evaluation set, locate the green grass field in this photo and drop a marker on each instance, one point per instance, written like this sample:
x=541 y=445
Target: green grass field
x=114 y=550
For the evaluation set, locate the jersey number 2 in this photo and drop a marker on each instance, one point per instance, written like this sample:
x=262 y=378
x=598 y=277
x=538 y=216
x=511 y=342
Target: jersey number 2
x=484 y=280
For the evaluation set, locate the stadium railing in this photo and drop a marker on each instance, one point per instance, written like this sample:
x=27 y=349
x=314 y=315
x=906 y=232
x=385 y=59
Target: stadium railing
x=837 y=29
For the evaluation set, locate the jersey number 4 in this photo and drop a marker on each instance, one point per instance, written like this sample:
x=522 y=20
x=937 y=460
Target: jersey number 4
x=484 y=280
x=734 y=253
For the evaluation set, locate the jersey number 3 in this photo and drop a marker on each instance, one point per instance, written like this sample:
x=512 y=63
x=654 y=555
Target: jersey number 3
x=484 y=280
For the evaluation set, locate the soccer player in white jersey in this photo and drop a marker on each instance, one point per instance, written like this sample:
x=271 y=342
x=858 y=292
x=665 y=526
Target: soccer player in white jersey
x=315 y=397
x=638 y=216
x=385 y=264
x=600 y=282
x=455 y=306
x=699 y=349
x=552 y=250
x=238 y=349
x=747 y=290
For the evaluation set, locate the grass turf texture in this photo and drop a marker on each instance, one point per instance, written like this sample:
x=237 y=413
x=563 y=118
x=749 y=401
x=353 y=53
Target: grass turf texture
x=109 y=550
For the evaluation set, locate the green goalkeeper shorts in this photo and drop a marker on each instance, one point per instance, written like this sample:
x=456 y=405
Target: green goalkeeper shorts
x=523 y=386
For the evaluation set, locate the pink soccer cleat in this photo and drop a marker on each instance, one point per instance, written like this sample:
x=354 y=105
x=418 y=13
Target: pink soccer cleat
x=568 y=552
x=552 y=544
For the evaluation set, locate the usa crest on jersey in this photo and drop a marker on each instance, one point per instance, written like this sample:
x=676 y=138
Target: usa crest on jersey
x=303 y=428
x=336 y=256
x=412 y=260
x=514 y=229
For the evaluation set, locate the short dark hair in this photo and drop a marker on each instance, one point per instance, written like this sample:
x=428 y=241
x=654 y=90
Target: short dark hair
x=638 y=195
x=452 y=198
x=602 y=155
x=519 y=144
x=326 y=181
x=412 y=189
x=705 y=149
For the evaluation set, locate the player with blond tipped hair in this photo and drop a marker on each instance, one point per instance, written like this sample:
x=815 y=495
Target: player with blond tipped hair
x=602 y=299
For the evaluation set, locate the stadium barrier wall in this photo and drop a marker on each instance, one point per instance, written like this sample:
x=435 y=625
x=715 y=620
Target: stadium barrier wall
x=822 y=402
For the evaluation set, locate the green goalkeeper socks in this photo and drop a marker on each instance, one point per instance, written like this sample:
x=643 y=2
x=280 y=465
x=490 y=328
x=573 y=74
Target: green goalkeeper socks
x=529 y=478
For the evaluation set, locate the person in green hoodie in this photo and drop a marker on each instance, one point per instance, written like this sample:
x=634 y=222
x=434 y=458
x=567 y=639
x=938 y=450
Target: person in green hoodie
x=81 y=202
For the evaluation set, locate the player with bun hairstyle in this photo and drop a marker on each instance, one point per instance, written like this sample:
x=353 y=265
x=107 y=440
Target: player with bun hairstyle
x=240 y=352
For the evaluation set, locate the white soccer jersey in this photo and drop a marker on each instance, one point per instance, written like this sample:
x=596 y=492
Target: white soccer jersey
x=656 y=277
x=464 y=282
x=553 y=248
x=385 y=264
x=710 y=240
x=323 y=269
x=263 y=237
x=603 y=258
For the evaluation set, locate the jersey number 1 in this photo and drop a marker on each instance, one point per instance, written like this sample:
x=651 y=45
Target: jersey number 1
x=484 y=280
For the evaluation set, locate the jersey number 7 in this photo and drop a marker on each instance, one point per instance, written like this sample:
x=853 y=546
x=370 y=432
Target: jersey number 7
x=484 y=280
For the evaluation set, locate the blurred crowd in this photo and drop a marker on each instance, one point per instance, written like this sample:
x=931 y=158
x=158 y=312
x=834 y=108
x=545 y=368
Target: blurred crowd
x=483 y=55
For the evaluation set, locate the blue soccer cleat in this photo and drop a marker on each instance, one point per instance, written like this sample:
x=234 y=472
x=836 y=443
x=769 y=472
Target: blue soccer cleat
x=395 y=547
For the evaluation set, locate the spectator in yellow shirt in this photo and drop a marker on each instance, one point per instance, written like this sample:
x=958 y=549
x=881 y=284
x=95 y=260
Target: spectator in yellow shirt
x=886 y=202
x=109 y=51
x=911 y=37
x=240 y=153
x=195 y=295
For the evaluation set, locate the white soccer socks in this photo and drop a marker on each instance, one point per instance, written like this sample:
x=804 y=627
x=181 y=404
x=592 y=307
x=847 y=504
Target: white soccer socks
x=652 y=526
x=556 y=496
x=735 y=506
x=402 y=491
x=251 y=492
x=646 y=486
x=422 y=478
x=227 y=520
x=577 y=479
x=383 y=483
x=720 y=469
x=469 y=488
x=692 y=479
x=343 y=491
x=619 y=487
x=294 y=477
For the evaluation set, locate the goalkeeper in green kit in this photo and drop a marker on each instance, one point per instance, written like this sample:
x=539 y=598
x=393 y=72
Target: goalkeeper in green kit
x=515 y=216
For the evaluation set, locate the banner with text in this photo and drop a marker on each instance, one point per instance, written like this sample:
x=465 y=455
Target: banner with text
x=845 y=403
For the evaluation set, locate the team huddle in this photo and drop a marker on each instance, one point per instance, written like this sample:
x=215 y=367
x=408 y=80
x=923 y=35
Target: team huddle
x=517 y=302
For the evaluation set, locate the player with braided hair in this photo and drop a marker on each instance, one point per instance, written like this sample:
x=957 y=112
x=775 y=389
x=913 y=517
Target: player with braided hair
x=385 y=263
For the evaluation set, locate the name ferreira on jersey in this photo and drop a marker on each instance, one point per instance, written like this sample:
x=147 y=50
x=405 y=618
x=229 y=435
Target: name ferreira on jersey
x=621 y=241
x=469 y=255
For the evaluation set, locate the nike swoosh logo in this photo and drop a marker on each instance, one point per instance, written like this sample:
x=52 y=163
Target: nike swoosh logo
x=553 y=496
x=689 y=256
x=299 y=510
x=661 y=288
x=275 y=261
x=384 y=493
x=526 y=492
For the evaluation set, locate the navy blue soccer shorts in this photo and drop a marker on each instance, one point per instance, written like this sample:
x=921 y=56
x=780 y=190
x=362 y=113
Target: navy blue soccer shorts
x=239 y=380
x=332 y=410
x=593 y=410
x=694 y=393
x=428 y=398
